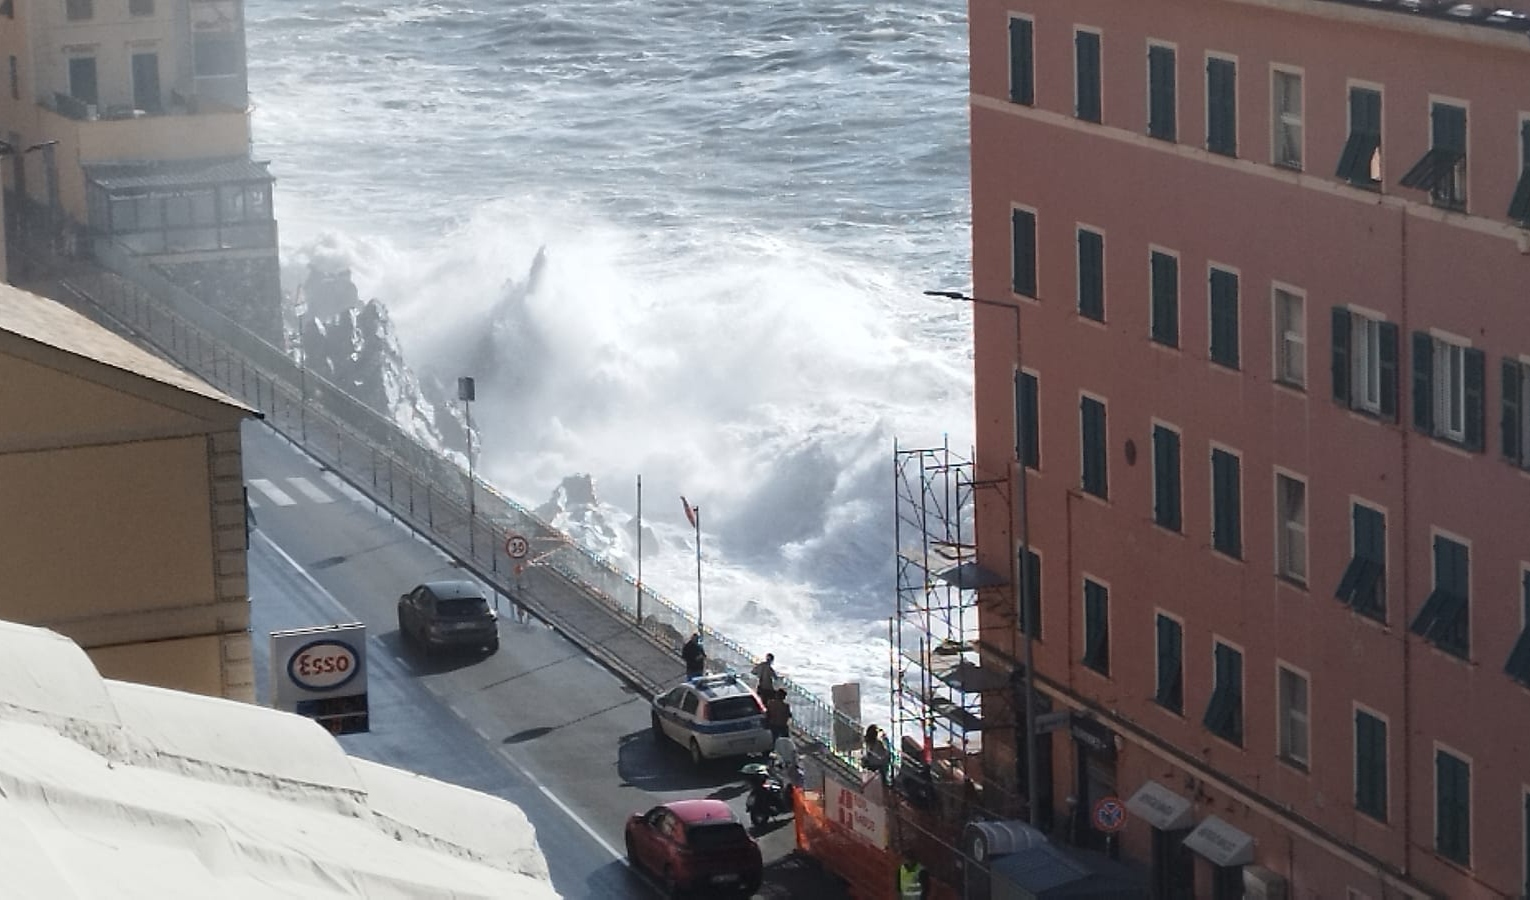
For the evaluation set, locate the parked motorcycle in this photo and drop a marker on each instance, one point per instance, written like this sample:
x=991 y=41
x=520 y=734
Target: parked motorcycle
x=770 y=794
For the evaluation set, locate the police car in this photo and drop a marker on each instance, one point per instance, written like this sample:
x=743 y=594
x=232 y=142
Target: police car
x=712 y=716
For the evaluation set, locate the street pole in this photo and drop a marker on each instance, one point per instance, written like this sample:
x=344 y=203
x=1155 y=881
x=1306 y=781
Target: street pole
x=466 y=392
x=1022 y=569
x=640 y=551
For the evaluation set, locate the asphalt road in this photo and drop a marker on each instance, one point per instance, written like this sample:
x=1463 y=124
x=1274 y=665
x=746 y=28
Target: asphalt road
x=538 y=723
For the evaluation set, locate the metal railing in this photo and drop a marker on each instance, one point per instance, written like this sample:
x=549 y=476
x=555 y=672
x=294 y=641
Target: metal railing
x=396 y=470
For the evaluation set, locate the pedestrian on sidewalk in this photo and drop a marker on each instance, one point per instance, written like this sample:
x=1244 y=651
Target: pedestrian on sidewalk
x=695 y=656
x=778 y=714
x=765 y=676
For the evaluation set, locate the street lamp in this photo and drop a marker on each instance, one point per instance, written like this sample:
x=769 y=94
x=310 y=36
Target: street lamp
x=1022 y=526
x=467 y=392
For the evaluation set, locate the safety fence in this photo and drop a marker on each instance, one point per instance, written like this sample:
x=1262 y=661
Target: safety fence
x=416 y=482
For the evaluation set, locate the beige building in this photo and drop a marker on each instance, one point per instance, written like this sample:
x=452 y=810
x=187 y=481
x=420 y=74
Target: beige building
x=121 y=503
x=127 y=125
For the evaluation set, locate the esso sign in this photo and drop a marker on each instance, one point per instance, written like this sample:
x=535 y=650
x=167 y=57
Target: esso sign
x=323 y=665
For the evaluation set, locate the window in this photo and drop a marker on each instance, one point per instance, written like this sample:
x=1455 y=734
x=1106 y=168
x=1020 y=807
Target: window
x=1452 y=807
x=1030 y=596
x=1290 y=338
x=1096 y=626
x=1091 y=274
x=82 y=79
x=1364 y=583
x=1518 y=666
x=1224 y=318
x=1166 y=488
x=1445 y=618
x=1360 y=163
x=1022 y=61
x=1226 y=504
x=1161 y=93
x=1286 y=109
x=1165 y=298
x=1291 y=539
x=1170 y=693
x=1514 y=421
x=15 y=81
x=8 y=8
x=1519 y=204
x=1294 y=720
x=1365 y=363
x=1224 y=714
x=141 y=7
x=1028 y=429
x=1086 y=81
x=76 y=10
x=1092 y=431
x=1222 y=106
x=1442 y=171
x=1448 y=390
x=1022 y=228
x=1371 y=765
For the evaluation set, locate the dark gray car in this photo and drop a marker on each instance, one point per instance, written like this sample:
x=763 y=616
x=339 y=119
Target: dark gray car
x=443 y=614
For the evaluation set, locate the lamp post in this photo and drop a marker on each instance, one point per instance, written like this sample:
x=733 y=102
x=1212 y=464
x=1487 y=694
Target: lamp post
x=1022 y=527
x=467 y=392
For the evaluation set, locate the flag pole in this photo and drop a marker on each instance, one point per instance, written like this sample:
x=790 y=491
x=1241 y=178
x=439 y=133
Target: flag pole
x=640 y=551
x=698 y=568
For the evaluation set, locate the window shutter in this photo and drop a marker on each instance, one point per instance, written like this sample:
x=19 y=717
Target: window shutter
x=1087 y=46
x=1423 y=382
x=1027 y=438
x=1512 y=410
x=1091 y=275
x=1166 y=510
x=1224 y=318
x=1161 y=113
x=1165 y=289
x=1022 y=81
x=1449 y=126
x=1341 y=343
x=1476 y=401
x=1023 y=233
x=1387 y=366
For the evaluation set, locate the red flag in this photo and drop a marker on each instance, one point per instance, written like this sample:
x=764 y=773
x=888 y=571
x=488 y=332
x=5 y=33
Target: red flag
x=690 y=511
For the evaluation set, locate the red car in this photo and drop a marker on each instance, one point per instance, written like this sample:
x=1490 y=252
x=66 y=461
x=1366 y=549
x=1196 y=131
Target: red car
x=695 y=846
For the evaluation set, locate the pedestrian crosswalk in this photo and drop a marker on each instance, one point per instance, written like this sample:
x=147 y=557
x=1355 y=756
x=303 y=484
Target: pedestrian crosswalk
x=266 y=490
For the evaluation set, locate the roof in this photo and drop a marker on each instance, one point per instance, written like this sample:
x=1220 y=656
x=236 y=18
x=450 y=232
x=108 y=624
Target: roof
x=128 y=176
x=454 y=590
x=107 y=783
x=49 y=323
x=695 y=812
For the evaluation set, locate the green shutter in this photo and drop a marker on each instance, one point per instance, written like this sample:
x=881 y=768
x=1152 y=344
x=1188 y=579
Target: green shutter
x=1022 y=68
x=1087 y=48
x=1161 y=112
x=1165 y=290
x=1448 y=127
x=1023 y=234
x=1091 y=275
x=1221 y=107
x=1227 y=526
x=1092 y=415
x=1387 y=366
x=1341 y=341
x=1027 y=435
x=1166 y=491
x=1423 y=382
x=1510 y=423
x=1452 y=807
x=1224 y=318
x=1371 y=766
x=1476 y=401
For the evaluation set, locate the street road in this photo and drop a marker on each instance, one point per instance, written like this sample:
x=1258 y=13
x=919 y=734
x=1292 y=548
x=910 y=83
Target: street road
x=537 y=723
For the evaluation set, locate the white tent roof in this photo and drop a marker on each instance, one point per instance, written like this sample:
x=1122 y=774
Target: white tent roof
x=110 y=789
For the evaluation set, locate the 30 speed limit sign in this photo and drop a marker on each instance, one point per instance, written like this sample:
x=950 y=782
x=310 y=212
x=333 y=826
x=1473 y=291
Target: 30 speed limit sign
x=516 y=546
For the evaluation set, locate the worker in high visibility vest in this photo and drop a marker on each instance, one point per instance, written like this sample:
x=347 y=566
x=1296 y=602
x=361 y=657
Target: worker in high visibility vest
x=913 y=880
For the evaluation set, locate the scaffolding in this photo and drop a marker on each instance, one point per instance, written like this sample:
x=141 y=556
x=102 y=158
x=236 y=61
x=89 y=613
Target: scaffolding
x=937 y=679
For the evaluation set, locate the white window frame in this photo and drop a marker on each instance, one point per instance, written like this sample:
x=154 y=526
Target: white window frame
x=1284 y=121
x=1290 y=341
x=1365 y=361
x=1449 y=387
x=1289 y=720
x=1291 y=558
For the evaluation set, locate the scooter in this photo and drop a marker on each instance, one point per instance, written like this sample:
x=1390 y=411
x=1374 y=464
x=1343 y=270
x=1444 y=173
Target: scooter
x=770 y=795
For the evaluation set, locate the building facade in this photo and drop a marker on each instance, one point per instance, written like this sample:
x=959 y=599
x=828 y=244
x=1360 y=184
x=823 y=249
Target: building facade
x=122 y=508
x=127 y=121
x=1269 y=260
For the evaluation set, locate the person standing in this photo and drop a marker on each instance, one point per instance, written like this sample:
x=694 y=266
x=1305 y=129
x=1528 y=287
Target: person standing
x=778 y=714
x=695 y=656
x=765 y=676
x=913 y=880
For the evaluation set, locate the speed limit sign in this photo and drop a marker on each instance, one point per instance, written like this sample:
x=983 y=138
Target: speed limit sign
x=516 y=546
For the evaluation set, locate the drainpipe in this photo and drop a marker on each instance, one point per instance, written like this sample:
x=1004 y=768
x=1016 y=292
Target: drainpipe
x=1407 y=710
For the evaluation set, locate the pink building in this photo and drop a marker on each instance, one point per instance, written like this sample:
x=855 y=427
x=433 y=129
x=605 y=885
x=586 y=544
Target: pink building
x=1272 y=268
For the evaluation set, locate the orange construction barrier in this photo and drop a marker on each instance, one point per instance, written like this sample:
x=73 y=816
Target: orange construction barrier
x=869 y=872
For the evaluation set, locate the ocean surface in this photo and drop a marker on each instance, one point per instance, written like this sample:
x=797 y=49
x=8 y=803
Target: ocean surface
x=681 y=240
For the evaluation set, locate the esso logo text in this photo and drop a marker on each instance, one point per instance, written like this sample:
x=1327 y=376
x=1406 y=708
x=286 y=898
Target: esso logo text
x=323 y=665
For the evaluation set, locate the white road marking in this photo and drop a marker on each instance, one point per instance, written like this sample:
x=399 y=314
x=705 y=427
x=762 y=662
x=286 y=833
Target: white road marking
x=254 y=504
x=273 y=493
x=310 y=490
x=343 y=614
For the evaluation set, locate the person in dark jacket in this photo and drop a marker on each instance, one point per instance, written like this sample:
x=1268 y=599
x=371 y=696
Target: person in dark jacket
x=778 y=714
x=695 y=656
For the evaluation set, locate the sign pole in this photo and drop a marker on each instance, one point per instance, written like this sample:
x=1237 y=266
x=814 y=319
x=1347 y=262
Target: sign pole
x=640 y=550
x=698 y=569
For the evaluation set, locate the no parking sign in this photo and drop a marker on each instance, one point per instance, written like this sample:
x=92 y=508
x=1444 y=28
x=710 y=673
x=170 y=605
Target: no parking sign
x=1109 y=814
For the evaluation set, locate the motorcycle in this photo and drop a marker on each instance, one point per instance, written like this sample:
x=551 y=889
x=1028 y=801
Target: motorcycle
x=770 y=794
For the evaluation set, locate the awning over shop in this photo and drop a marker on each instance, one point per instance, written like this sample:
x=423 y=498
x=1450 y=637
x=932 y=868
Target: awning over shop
x=1048 y=872
x=1161 y=808
x=1221 y=843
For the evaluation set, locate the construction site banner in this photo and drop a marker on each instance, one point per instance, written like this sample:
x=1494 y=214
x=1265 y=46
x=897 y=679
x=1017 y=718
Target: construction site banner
x=856 y=809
